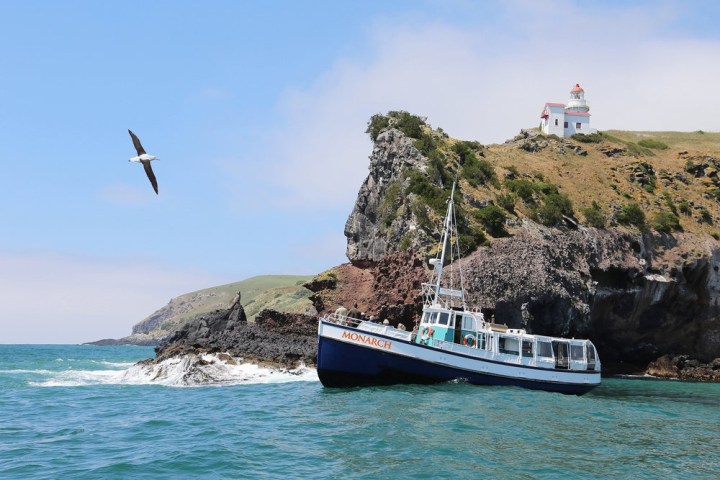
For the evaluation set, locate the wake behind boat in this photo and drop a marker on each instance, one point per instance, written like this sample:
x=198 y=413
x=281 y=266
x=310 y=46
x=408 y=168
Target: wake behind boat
x=451 y=342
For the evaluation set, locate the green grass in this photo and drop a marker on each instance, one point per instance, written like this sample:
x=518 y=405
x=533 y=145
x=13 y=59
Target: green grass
x=263 y=291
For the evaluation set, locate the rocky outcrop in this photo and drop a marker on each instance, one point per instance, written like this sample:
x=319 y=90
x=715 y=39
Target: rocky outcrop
x=637 y=296
x=277 y=339
x=684 y=367
x=384 y=220
x=388 y=289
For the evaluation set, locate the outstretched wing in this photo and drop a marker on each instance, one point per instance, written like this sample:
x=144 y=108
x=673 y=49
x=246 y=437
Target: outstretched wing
x=150 y=174
x=136 y=142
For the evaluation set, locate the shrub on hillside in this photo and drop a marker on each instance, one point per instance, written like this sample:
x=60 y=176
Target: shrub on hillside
x=493 y=219
x=553 y=208
x=433 y=196
x=466 y=150
x=705 y=216
x=512 y=172
x=631 y=214
x=377 y=124
x=665 y=222
x=546 y=188
x=471 y=240
x=411 y=125
x=684 y=207
x=652 y=143
x=590 y=138
x=523 y=188
x=594 y=216
x=506 y=201
x=670 y=203
x=479 y=171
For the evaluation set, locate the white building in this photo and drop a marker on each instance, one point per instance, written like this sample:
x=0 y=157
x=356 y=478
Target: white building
x=566 y=120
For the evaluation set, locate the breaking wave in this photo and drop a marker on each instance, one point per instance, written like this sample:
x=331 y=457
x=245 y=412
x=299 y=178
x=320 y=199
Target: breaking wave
x=187 y=370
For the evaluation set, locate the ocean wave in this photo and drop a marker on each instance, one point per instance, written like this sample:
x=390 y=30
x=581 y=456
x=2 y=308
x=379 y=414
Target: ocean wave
x=79 y=378
x=213 y=369
x=187 y=370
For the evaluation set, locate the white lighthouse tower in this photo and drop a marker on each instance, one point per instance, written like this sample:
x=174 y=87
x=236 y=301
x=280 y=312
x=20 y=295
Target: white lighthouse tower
x=566 y=120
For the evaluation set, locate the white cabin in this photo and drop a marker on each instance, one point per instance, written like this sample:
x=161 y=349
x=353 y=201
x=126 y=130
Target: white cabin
x=567 y=120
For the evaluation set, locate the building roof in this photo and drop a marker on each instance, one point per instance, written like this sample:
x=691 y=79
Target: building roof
x=554 y=104
x=577 y=88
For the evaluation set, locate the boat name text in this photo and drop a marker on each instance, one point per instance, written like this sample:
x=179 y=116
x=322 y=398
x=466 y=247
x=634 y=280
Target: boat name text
x=375 y=342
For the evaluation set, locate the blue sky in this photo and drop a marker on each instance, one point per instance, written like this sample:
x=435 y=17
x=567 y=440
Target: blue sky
x=257 y=111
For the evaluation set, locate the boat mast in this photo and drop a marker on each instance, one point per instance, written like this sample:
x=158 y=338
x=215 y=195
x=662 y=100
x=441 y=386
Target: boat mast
x=448 y=226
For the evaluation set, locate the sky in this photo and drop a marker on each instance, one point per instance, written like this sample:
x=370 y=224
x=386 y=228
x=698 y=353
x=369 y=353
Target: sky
x=257 y=111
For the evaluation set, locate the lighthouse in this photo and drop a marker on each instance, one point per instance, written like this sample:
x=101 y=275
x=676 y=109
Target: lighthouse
x=566 y=120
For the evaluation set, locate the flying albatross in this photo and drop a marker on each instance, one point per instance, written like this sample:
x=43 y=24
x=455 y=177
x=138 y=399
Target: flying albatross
x=145 y=159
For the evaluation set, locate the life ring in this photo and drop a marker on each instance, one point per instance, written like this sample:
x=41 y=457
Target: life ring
x=469 y=340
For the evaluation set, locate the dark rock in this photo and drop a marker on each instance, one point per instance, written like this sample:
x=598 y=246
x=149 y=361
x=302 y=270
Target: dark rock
x=276 y=338
x=685 y=367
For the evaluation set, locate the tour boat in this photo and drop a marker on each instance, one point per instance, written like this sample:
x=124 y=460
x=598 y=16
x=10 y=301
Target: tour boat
x=451 y=343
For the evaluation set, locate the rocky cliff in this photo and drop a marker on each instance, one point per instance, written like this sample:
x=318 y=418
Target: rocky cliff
x=640 y=290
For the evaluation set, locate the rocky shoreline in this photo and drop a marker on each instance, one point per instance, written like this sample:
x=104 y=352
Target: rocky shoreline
x=275 y=339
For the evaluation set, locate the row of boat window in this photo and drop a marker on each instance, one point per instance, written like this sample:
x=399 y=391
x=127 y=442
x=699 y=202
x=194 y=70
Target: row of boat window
x=545 y=348
x=511 y=345
x=443 y=318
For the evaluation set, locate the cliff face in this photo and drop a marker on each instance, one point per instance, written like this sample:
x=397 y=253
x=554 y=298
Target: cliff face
x=638 y=294
x=383 y=218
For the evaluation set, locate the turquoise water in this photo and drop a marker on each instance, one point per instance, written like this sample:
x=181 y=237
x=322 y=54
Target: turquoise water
x=69 y=412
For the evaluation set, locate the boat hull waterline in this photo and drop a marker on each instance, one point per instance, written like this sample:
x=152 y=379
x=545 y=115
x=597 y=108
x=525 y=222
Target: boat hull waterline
x=348 y=357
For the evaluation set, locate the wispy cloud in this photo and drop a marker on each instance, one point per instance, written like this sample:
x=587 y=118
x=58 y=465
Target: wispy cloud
x=482 y=83
x=54 y=298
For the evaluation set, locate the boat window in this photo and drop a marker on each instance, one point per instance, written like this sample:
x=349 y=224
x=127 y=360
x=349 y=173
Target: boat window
x=527 y=348
x=544 y=349
x=481 y=341
x=430 y=317
x=508 y=345
x=576 y=352
x=467 y=323
x=590 y=353
x=443 y=318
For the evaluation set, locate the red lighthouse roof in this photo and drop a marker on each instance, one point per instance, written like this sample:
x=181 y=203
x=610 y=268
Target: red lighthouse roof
x=577 y=88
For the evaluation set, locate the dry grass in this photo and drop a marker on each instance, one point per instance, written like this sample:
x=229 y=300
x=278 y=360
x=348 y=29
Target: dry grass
x=607 y=180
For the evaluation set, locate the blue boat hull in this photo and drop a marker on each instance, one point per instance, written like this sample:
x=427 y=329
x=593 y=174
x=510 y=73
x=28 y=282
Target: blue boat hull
x=342 y=364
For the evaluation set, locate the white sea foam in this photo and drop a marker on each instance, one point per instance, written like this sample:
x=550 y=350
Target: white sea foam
x=79 y=378
x=24 y=370
x=212 y=369
x=188 y=370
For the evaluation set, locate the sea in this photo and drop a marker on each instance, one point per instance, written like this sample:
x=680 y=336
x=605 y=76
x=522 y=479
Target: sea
x=87 y=412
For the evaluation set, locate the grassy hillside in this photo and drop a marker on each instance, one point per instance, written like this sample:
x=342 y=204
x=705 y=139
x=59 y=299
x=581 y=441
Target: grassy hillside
x=280 y=292
x=661 y=172
x=664 y=181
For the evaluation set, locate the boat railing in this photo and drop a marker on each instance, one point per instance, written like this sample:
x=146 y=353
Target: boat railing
x=344 y=320
x=368 y=326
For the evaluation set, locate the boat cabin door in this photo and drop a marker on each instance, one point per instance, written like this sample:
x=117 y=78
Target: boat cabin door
x=458 y=327
x=561 y=352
